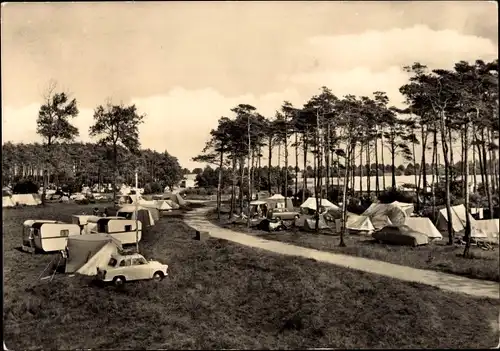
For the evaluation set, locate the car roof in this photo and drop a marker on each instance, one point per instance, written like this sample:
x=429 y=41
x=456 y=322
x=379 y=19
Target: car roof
x=126 y=255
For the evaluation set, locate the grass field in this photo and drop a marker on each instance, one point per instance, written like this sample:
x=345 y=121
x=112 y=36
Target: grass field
x=484 y=264
x=220 y=295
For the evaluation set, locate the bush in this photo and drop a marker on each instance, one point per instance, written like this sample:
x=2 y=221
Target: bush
x=391 y=195
x=156 y=188
x=147 y=189
x=25 y=187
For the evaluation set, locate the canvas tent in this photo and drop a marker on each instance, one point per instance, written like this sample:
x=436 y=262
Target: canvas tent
x=458 y=219
x=162 y=205
x=278 y=201
x=26 y=199
x=394 y=213
x=490 y=227
x=359 y=223
x=310 y=224
x=424 y=225
x=310 y=203
x=87 y=252
x=175 y=197
x=7 y=201
x=143 y=214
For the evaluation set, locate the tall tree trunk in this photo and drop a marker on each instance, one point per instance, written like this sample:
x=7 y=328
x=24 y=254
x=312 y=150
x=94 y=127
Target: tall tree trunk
x=495 y=163
x=474 y=166
x=482 y=169
x=279 y=168
x=393 y=164
x=463 y=158
x=115 y=170
x=353 y=168
x=250 y=166
x=452 y=164
x=369 y=169
x=491 y=168
x=382 y=159
x=286 y=162
x=444 y=145
x=304 y=170
x=486 y=176
x=233 y=187
x=344 y=197
x=434 y=168
x=377 y=177
x=242 y=181
x=269 y=159
x=296 y=164
x=327 y=159
x=466 y=187
x=219 y=184
x=361 y=166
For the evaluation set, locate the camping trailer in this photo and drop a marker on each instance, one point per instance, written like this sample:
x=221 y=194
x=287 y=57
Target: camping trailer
x=123 y=230
x=46 y=235
x=144 y=214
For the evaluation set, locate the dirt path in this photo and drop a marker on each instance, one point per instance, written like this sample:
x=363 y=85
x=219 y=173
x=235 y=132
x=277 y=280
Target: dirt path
x=479 y=288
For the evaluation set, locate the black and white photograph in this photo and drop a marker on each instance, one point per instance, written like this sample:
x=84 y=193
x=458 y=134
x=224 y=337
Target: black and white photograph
x=224 y=175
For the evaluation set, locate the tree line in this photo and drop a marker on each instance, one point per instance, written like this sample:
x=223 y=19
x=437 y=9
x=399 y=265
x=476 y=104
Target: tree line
x=61 y=160
x=443 y=107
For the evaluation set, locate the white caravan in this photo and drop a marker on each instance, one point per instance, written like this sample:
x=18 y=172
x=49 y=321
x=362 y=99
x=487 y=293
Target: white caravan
x=47 y=235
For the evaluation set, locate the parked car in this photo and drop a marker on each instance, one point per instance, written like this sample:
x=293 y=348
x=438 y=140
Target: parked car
x=282 y=214
x=127 y=267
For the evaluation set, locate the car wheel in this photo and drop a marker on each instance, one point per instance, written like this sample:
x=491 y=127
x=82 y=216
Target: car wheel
x=158 y=276
x=278 y=218
x=296 y=216
x=118 y=281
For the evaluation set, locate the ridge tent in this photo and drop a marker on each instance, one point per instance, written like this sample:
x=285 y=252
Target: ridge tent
x=25 y=199
x=143 y=214
x=388 y=214
x=490 y=227
x=7 y=201
x=310 y=224
x=424 y=225
x=175 y=197
x=85 y=253
x=310 y=203
x=162 y=205
x=359 y=223
x=458 y=218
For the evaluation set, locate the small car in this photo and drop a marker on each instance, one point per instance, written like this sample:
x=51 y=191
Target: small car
x=282 y=214
x=127 y=267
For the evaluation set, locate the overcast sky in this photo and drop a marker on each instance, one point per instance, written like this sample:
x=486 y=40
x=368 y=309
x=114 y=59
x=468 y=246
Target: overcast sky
x=186 y=64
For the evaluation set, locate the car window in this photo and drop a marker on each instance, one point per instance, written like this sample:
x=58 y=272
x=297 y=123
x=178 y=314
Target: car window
x=112 y=262
x=138 y=261
x=125 y=262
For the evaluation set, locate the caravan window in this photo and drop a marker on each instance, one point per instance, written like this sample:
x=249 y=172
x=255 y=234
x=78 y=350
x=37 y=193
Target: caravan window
x=128 y=228
x=127 y=215
x=64 y=232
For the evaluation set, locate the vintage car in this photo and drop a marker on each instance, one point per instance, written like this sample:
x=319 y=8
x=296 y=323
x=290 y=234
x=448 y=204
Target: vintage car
x=127 y=267
x=282 y=214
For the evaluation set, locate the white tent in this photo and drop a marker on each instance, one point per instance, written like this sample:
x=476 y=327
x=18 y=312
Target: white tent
x=382 y=215
x=458 y=218
x=277 y=197
x=310 y=203
x=26 y=199
x=7 y=201
x=490 y=227
x=162 y=205
x=359 y=223
x=424 y=225
x=87 y=252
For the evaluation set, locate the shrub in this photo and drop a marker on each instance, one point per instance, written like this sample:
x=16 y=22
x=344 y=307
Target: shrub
x=25 y=187
x=156 y=188
x=147 y=189
x=391 y=195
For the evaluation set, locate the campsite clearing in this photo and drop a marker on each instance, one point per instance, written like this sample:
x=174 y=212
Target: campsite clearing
x=222 y=295
x=436 y=256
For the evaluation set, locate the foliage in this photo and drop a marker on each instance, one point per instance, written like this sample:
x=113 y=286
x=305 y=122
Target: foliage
x=25 y=186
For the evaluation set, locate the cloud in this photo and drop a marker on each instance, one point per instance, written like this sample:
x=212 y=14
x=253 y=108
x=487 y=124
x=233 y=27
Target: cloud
x=180 y=119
